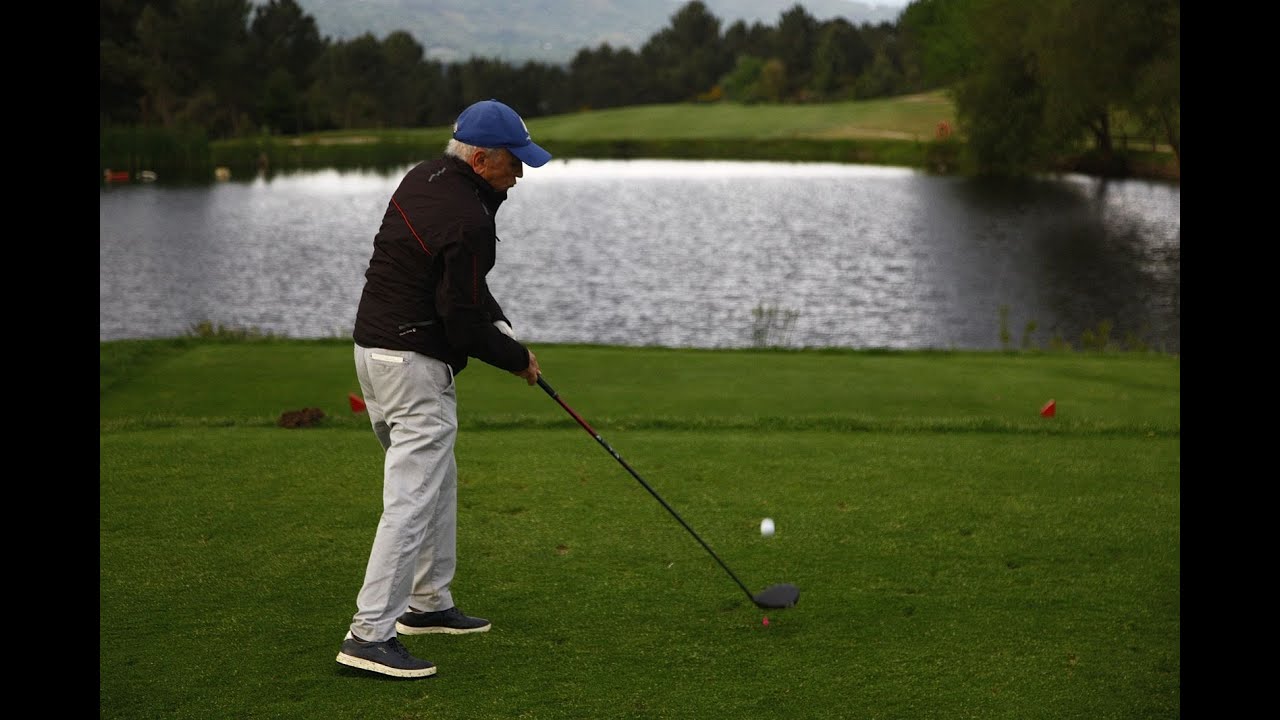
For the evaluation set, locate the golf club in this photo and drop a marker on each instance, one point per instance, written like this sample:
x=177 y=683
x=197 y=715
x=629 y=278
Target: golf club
x=772 y=597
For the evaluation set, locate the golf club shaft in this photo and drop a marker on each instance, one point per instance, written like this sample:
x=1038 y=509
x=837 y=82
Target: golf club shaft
x=591 y=431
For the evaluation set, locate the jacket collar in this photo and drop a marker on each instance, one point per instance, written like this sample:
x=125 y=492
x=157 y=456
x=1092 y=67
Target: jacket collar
x=483 y=188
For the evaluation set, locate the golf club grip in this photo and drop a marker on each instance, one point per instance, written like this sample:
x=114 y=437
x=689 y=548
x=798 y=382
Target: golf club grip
x=545 y=385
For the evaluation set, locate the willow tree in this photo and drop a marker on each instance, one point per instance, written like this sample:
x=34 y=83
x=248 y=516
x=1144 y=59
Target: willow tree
x=1038 y=82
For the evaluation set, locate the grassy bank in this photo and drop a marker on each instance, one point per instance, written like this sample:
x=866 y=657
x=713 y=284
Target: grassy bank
x=901 y=131
x=958 y=554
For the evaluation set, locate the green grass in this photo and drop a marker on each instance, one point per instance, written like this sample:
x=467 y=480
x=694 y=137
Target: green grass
x=907 y=117
x=891 y=131
x=896 y=131
x=958 y=555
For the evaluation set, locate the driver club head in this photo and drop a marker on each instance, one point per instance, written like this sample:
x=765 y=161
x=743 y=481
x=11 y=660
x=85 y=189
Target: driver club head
x=777 y=596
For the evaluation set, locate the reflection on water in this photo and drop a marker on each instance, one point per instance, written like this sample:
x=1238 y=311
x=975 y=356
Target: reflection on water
x=679 y=254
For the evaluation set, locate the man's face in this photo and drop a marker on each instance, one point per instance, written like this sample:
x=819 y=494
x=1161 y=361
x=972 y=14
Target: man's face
x=499 y=167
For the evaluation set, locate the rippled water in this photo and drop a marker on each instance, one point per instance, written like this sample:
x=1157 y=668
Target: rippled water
x=678 y=254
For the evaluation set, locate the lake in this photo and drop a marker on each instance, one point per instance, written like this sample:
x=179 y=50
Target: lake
x=700 y=254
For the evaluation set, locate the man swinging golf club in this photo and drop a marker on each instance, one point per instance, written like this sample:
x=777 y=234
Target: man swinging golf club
x=424 y=311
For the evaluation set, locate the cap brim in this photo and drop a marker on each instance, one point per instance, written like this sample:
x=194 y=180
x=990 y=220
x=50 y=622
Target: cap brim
x=532 y=154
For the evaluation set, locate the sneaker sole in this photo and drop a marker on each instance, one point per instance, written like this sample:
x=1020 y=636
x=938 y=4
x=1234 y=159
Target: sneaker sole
x=363 y=664
x=410 y=630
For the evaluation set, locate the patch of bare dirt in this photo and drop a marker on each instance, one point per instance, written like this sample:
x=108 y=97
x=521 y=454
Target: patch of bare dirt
x=306 y=417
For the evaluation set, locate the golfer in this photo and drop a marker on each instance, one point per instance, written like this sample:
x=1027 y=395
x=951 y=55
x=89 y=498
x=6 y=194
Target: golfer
x=425 y=310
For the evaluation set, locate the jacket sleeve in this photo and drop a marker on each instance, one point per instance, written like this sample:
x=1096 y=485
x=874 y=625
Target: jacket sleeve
x=494 y=309
x=467 y=308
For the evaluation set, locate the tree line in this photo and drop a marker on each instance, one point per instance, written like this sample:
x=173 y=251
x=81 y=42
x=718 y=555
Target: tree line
x=1030 y=77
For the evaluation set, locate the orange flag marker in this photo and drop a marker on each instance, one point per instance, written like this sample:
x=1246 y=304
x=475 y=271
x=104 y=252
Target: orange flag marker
x=357 y=402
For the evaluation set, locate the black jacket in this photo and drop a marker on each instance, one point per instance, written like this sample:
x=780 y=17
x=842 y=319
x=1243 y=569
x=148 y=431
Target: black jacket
x=425 y=288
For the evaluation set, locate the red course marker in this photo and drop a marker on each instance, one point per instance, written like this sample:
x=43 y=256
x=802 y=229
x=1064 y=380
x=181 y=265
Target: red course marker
x=357 y=402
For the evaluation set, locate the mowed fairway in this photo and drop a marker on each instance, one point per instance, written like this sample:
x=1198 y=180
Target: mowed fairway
x=903 y=117
x=957 y=554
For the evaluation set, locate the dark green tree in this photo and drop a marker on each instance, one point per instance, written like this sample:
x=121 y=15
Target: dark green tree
x=121 y=62
x=796 y=38
x=1078 y=52
x=840 y=56
x=1095 y=59
x=1000 y=103
x=687 y=58
x=1157 y=94
x=757 y=39
x=772 y=85
x=349 y=84
x=742 y=84
x=404 y=94
x=284 y=46
x=885 y=75
x=1055 y=80
x=487 y=78
x=750 y=46
x=605 y=78
x=197 y=64
x=545 y=89
x=937 y=42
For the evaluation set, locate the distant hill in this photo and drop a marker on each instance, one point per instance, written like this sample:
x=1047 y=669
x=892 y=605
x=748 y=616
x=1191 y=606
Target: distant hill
x=551 y=31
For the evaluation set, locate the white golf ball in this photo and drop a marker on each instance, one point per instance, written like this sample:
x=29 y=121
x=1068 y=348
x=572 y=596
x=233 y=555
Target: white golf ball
x=766 y=527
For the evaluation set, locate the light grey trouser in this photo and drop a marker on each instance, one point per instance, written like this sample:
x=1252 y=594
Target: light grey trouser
x=413 y=408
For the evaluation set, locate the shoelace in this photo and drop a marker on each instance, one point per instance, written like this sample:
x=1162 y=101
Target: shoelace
x=394 y=646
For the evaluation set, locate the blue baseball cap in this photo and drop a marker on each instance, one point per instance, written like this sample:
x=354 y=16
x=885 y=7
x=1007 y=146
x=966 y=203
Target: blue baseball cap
x=491 y=124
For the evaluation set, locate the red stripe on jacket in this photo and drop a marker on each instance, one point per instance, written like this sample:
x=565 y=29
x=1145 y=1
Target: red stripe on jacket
x=408 y=224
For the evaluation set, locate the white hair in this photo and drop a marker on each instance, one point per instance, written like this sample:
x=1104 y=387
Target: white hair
x=463 y=151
